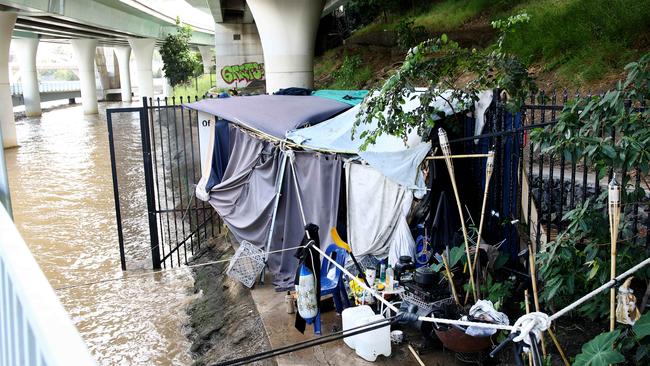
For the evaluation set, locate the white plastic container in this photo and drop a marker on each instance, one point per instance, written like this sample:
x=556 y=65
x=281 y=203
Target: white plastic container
x=374 y=343
x=351 y=318
x=367 y=345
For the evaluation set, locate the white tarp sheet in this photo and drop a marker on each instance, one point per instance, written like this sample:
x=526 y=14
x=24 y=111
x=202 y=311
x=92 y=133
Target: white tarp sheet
x=395 y=158
x=377 y=210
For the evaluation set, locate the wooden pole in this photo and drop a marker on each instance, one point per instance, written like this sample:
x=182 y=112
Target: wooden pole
x=444 y=145
x=489 y=165
x=614 y=218
x=533 y=279
x=527 y=302
x=451 y=280
x=460 y=156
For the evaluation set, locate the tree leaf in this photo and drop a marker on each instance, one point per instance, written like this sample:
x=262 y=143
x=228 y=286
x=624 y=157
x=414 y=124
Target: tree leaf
x=642 y=326
x=600 y=351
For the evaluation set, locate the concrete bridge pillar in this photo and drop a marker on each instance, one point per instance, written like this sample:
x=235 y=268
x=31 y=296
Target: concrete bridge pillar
x=287 y=29
x=84 y=50
x=143 y=51
x=206 y=55
x=123 y=56
x=7 y=122
x=26 y=52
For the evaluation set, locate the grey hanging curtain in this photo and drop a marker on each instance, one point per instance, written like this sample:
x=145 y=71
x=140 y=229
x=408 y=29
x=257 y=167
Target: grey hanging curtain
x=244 y=199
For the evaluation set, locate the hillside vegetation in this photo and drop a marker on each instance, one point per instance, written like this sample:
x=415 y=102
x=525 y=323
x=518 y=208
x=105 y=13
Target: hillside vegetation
x=581 y=44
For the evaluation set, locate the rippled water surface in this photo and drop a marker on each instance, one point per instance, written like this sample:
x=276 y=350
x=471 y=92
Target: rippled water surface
x=60 y=180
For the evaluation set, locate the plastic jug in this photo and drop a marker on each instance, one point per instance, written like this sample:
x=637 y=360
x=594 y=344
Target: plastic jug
x=374 y=343
x=351 y=318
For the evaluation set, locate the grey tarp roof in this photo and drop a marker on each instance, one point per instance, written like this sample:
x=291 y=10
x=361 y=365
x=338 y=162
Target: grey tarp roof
x=272 y=114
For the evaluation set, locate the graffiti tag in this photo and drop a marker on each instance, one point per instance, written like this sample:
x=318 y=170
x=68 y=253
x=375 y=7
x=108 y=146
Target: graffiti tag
x=245 y=72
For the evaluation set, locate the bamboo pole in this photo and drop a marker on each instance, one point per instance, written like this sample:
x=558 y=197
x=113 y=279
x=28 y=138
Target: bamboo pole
x=444 y=145
x=527 y=302
x=533 y=279
x=451 y=280
x=489 y=165
x=614 y=218
x=460 y=156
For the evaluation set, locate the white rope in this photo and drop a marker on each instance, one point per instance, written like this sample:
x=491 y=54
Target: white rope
x=535 y=322
x=169 y=270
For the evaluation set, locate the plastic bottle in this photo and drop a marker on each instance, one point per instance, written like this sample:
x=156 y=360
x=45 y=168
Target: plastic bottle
x=382 y=272
x=390 y=277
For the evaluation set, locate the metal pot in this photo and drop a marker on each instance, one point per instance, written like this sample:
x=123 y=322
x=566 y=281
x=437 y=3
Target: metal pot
x=425 y=276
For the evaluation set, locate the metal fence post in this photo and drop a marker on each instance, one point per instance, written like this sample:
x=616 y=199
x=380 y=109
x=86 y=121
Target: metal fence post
x=116 y=191
x=5 y=196
x=149 y=184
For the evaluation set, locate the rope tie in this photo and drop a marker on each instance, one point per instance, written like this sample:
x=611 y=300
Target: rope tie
x=533 y=323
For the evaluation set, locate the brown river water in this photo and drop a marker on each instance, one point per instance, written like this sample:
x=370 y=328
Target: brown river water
x=62 y=195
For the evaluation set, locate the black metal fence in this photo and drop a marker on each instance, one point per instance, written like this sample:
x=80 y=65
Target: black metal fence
x=530 y=192
x=178 y=223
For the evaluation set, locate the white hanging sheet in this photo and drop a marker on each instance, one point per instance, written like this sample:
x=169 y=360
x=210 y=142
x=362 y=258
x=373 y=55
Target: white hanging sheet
x=377 y=210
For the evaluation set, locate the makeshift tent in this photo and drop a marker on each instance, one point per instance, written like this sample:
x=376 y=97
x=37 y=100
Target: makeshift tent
x=256 y=196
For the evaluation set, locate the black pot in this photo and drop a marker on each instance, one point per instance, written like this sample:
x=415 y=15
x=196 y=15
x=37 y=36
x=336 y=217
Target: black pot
x=425 y=276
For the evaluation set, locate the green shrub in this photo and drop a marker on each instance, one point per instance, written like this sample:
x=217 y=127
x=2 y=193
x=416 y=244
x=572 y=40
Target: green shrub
x=408 y=34
x=352 y=74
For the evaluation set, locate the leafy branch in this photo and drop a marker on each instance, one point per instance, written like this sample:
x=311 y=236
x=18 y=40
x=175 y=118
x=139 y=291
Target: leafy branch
x=450 y=73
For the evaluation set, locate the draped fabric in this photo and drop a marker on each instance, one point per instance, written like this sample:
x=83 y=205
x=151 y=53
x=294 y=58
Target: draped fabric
x=245 y=198
x=319 y=179
x=377 y=210
x=220 y=154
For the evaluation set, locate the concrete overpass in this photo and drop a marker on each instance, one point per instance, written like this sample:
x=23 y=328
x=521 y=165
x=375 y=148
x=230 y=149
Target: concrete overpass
x=253 y=39
x=127 y=25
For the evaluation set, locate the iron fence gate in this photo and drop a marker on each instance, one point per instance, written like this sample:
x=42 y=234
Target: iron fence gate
x=177 y=223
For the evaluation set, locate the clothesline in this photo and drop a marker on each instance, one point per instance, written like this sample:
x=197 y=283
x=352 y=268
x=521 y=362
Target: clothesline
x=524 y=324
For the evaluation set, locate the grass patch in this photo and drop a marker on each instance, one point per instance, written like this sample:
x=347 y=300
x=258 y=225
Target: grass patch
x=577 y=41
x=352 y=74
x=582 y=40
x=197 y=87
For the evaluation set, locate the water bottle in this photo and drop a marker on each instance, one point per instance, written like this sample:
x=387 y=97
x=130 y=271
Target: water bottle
x=390 y=277
x=382 y=272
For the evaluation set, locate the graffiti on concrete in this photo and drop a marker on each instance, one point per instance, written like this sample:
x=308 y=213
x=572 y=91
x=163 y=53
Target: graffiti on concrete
x=245 y=72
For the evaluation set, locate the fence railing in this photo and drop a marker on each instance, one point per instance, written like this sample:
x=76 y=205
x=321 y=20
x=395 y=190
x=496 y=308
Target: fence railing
x=34 y=327
x=49 y=87
x=536 y=190
x=178 y=223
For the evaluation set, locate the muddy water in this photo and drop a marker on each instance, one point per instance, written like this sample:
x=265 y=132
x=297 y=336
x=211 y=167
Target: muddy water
x=60 y=179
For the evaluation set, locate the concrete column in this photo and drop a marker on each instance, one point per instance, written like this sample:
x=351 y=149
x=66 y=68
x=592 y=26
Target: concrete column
x=207 y=56
x=26 y=52
x=287 y=29
x=168 y=90
x=84 y=50
x=123 y=57
x=143 y=51
x=237 y=46
x=7 y=122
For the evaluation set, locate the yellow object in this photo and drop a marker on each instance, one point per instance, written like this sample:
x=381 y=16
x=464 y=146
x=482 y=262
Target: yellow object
x=338 y=241
x=381 y=287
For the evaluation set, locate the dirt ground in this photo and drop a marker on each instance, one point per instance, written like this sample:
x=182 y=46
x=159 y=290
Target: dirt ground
x=224 y=321
x=230 y=321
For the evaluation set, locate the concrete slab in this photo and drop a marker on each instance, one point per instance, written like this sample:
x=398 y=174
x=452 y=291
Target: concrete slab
x=280 y=329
